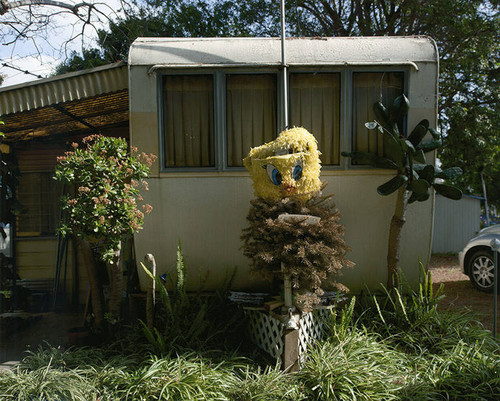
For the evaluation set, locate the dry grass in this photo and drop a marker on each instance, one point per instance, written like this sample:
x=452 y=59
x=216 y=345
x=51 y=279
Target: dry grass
x=458 y=289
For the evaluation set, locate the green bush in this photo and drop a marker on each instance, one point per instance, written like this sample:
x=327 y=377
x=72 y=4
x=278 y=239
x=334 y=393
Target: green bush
x=401 y=347
x=194 y=320
x=409 y=319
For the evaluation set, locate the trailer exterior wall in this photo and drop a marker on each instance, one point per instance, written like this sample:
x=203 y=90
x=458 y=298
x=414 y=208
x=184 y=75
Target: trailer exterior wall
x=206 y=210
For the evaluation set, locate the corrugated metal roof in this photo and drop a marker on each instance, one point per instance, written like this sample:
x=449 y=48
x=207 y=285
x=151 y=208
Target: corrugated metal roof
x=90 y=114
x=63 y=88
x=171 y=52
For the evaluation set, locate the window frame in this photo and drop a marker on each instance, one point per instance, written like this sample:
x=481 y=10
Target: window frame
x=161 y=121
x=350 y=114
x=346 y=80
x=342 y=87
x=224 y=131
x=57 y=217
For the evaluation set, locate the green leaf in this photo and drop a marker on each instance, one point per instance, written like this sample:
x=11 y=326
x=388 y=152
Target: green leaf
x=450 y=173
x=429 y=146
x=448 y=191
x=420 y=186
x=392 y=185
x=419 y=156
x=382 y=116
x=416 y=197
x=394 y=152
x=400 y=107
x=382 y=162
x=418 y=167
x=419 y=132
x=428 y=173
x=435 y=134
x=408 y=146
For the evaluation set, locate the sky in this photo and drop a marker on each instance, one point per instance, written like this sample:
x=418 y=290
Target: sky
x=48 y=47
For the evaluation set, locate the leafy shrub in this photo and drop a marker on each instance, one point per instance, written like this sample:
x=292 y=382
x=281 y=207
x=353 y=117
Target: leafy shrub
x=192 y=321
x=410 y=318
x=105 y=208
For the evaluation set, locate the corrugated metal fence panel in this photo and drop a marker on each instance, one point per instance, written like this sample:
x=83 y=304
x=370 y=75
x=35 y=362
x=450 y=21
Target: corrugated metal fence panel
x=63 y=88
x=455 y=223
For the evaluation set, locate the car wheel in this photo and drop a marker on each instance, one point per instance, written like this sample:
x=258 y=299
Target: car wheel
x=481 y=270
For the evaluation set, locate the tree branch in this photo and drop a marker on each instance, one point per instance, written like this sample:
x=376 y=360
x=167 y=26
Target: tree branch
x=6 y=6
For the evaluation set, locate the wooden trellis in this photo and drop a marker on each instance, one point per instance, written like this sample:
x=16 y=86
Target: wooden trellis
x=289 y=347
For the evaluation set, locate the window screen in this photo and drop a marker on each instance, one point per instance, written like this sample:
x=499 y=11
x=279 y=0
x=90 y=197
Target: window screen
x=189 y=120
x=368 y=88
x=250 y=113
x=39 y=194
x=315 y=105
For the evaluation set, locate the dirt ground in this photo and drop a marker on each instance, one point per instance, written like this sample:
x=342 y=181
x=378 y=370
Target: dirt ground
x=18 y=335
x=458 y=290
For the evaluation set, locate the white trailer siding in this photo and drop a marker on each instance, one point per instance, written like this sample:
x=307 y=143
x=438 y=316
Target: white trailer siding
x=206 y=209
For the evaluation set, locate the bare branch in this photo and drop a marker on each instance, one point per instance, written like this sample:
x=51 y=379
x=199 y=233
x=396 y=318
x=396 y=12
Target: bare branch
x=5 y=5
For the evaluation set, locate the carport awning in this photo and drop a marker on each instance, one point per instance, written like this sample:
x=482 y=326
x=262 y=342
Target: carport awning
x=76 y=102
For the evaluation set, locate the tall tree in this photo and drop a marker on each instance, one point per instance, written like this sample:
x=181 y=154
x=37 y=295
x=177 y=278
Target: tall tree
x=466 y=33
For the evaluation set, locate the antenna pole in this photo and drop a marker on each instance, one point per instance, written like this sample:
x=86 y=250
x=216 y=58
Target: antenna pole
x=283 y=63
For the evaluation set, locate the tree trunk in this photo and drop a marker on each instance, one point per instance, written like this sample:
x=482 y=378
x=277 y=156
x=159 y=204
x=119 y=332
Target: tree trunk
x=97 y=296
x=115 y=270
x=397 y=222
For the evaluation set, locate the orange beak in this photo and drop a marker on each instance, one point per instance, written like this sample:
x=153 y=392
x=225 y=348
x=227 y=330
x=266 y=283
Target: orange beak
x=289 y=189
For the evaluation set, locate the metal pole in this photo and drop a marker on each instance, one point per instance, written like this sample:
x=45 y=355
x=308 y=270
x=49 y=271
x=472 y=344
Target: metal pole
x=495 y=246
x=287 y=289
x=485 y=201
x=283 y=63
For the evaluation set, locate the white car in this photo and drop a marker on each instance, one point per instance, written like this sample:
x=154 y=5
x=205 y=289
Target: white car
x=477 y=261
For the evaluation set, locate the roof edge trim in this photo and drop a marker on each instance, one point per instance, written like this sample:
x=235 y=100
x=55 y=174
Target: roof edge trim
x=63 y=88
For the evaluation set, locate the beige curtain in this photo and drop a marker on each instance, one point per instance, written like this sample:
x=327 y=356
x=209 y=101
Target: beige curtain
x=189 y=121
x=315 y=105
x=369 y=87
x=250 y=113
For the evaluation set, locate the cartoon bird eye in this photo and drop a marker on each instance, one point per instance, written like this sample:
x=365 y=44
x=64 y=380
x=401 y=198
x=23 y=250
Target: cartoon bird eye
x=297 y=170
x=274 y=174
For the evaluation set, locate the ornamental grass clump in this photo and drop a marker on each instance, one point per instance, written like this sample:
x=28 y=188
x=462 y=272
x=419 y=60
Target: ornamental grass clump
x=409 y=318
x=197 y=320
x=104 y=209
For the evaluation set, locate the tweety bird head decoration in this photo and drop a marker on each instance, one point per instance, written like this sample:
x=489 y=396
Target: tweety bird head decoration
x=289 y=166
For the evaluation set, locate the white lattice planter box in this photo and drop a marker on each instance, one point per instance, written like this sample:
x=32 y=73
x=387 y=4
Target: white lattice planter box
x=267 y=331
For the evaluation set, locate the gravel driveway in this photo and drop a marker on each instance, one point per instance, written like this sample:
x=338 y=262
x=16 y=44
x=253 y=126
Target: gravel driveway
x=458 y=289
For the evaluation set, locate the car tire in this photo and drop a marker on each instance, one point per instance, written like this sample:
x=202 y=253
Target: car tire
x=481 y=270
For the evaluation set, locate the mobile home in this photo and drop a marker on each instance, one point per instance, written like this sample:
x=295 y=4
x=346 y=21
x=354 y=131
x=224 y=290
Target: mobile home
x=201 y=104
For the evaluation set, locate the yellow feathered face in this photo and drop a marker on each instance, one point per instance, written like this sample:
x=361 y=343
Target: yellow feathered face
x=289 y=166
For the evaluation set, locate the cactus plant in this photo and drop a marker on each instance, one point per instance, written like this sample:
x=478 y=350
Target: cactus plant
x=414 y=177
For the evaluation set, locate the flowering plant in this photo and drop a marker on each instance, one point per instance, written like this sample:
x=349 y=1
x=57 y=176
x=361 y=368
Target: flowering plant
x=104 y=207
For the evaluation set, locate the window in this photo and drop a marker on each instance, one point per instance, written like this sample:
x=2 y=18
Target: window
x=189 y=121
x=368 y=88
x=211 y=120
x=39 y=195
x=250 y=113
x=315 y=105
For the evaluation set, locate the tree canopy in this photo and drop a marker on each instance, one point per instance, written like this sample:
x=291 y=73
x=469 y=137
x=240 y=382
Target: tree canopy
x=466 y=33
